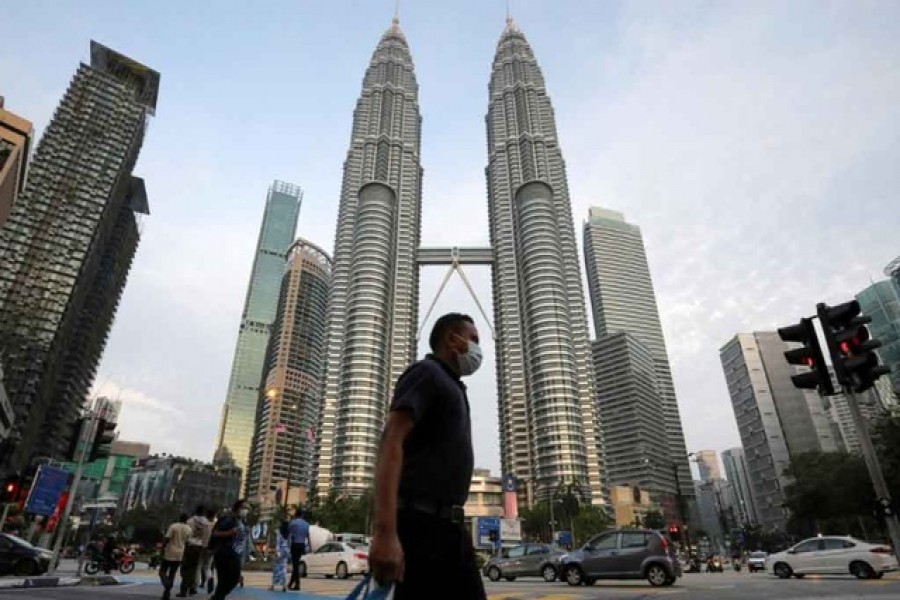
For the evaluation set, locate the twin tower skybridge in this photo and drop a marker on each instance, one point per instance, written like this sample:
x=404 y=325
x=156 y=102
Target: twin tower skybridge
x=455 y=257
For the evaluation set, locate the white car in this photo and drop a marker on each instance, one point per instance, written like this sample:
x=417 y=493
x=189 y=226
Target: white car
x=756 y=562
x=336 y=559
x=833 y=555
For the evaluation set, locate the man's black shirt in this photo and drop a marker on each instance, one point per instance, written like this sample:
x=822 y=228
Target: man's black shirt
x=437 y=455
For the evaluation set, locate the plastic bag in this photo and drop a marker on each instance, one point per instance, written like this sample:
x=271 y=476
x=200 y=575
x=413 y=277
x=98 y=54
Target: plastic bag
x=368 y=589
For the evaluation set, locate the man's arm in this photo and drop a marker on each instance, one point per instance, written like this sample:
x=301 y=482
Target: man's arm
x=386 y=555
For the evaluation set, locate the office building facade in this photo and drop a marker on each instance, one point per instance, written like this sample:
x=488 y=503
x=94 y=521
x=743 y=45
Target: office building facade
x=67 y=247
x=549 y=428
x=708 y=465
x=374 y=301
x=288 y=410
x=15 y=144
x=276 y=234
x=739 y=477
x=184 y=482
x=881 y=301
x=623 y=300
x=629 y=407
x=775 y=419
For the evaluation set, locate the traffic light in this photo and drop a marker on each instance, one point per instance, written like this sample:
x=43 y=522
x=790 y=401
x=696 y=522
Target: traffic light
x=851 y=346
x=11 y=488
x=809 y=355
x=675 y=533
x=103 y=437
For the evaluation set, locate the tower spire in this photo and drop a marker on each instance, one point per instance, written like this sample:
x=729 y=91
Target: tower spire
x=396 y=19
x=509 y=20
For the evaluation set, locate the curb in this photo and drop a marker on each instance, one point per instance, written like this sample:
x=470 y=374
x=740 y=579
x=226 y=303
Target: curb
x=94 y=580
x=39 y=582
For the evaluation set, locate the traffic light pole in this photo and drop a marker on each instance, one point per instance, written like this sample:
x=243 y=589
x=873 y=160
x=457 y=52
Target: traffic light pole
x=874 y=467
x=86 y=437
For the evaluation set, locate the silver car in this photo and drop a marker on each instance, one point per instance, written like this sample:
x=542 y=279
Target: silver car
x=526 y=560
x=625 y=554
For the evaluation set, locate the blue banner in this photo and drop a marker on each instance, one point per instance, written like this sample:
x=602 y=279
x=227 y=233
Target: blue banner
x=48 y=486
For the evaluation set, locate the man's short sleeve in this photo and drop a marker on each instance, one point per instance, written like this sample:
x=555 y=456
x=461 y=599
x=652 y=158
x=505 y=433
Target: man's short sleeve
x=414 y=391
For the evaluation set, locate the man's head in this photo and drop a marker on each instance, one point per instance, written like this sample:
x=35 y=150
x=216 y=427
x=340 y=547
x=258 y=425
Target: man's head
x=299 y=513
x=454 y=339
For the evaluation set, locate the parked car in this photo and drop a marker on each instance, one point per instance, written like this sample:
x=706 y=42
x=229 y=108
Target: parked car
x=21 y=558
x=625 y=554
x=756 y=561
x=336 y=559
x=525 y=560
x=835 y=555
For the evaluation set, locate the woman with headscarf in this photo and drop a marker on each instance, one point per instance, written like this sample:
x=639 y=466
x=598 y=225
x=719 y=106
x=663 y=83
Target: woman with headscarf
x=282 y=554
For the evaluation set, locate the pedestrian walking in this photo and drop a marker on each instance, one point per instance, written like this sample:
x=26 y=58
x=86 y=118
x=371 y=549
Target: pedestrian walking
x=229 y=540
x=423 y=473
x=299 y=534
x=173 y=551
x=205 y=567
x=190 y=564
x=282 y=554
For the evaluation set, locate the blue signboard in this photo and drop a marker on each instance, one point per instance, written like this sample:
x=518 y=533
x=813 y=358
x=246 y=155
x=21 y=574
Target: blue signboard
x=564 y=538
x=48 y=486
x=509 y=483
x=485 y=526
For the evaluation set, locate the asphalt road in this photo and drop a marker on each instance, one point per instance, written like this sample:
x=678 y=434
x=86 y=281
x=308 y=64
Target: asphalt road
x=712 y=586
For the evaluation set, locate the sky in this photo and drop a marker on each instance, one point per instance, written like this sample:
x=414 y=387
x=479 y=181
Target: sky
x=755 y=143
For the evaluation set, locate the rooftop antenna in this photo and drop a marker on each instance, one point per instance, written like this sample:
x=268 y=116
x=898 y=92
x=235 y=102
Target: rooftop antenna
x=396 y=19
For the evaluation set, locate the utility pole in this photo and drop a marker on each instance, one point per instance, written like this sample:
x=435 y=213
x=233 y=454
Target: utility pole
x=86 y=437
x=875 y=473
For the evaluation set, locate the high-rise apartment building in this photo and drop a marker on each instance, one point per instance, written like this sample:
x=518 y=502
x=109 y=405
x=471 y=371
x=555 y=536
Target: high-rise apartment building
x=287 y=414
x=738 y=475
x=623 y=299
x=276 y=233
x=775 y=419
x=549 y=429
x=629 y=406
x=15 y=143
x=67 y=247
x=708 y=465
x=881 y=301
x=373 y=306
x=892 y=270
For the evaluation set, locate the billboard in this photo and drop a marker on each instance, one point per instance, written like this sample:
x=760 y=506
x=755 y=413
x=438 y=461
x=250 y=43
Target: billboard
x=483 y=528
x=510 y=530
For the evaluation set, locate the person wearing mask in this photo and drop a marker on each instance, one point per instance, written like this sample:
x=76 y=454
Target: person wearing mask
x=423 y=473
x=282 y=554
x=229 y=539
x=173 y=551
x=190 y=564
x=205 y=570
x=299 y=533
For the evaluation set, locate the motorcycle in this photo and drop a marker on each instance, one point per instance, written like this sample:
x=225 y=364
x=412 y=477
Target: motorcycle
x=123 y=561
x=714 y=565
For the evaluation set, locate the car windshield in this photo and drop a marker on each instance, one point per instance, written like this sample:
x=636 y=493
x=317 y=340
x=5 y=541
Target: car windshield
x=17 y=540
x=757 y=555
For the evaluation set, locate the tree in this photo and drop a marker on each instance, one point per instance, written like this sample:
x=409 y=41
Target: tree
x=654 y=519
x=887 y=444
x=147 y=525
x=343 y=513
x=590 y=521
x=820 y=499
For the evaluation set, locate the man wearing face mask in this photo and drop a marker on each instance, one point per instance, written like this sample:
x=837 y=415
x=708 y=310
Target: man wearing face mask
x=229 y=545
x=424 y=470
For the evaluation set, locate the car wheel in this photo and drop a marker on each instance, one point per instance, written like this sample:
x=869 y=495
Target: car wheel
x=494 y=574
x=656 y=575
x=548 y=573
x=126 y=567
x=573 y=575
x=341 y=570
x=302 y=569
x=862 y=570
x=24 y=568
x=783 y=570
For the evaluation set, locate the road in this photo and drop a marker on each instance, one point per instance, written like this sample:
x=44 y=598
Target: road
x=725 y=586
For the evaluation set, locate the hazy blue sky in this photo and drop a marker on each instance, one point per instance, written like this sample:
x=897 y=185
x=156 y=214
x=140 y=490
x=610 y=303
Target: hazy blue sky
x=743 y=137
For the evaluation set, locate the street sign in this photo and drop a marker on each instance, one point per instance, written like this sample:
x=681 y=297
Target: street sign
x=49 y=484
x=564 y=538
x=511 y=530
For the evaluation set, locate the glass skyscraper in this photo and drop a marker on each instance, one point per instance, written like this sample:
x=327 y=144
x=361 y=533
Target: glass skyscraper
x=881 y=301
x=276 y=234
x=66 y=250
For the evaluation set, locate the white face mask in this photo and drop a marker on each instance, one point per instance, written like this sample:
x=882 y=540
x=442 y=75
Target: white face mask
x=471 y=360
x=243 y=512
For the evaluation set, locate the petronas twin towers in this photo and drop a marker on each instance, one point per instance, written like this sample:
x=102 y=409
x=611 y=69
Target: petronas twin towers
x=549 y=431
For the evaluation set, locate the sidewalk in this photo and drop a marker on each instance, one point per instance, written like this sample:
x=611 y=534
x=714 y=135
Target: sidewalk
x=252 y=589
